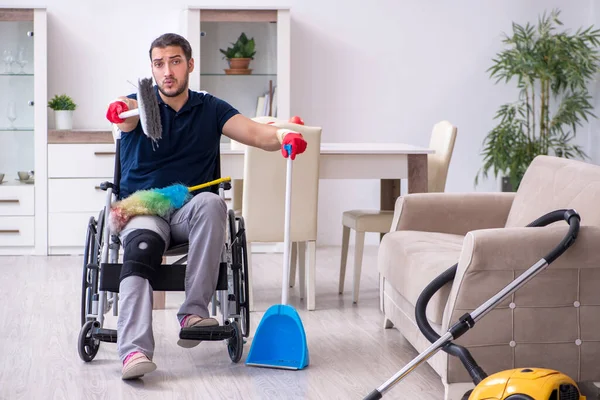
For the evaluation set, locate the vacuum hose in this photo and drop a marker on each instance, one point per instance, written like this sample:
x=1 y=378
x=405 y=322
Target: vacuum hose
x=475 y=371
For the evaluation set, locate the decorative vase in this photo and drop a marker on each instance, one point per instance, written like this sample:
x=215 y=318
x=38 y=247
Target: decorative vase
x=63 y=119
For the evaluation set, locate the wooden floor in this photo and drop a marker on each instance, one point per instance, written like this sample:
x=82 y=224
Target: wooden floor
x=350 y=352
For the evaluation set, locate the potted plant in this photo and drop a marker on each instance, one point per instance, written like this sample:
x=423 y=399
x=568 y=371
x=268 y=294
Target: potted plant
x=63 y=107
x=552 y=70
x=239 y=55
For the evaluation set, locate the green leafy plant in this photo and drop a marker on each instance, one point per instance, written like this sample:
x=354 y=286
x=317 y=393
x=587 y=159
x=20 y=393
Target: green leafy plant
x=242 y=48
x=62 y=102
x=552 y=70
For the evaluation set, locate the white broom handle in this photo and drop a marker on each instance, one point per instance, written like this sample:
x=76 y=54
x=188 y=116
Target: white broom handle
x=129 y=113
x=286 y=233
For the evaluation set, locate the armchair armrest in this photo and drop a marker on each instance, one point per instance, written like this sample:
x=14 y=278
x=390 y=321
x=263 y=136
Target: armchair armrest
x=520 y=248
x=455 y=213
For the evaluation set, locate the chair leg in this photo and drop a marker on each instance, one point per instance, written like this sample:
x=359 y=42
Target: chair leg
x=293 y=257
x=311 y=275
x=381 y=291
x=302 y=268
x=387 y=323
x=344 y=257
x=358 y=256
x=159 y=298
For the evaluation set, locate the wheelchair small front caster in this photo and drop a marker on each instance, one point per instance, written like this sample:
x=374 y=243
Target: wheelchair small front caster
x=235 y=345
x=87 y=346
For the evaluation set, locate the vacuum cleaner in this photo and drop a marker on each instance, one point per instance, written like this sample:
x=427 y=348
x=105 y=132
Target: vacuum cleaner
x=516 y=384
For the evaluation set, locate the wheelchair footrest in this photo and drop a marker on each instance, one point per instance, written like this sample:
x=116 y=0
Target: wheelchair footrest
x=105 y=335
x=207 y=333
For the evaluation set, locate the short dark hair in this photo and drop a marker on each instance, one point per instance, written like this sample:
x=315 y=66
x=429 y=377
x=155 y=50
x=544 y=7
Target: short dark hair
x=172 y=39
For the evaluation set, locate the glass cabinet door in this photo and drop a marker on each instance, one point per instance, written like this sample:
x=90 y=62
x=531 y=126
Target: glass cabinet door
x=252 y=89
x=16 y=100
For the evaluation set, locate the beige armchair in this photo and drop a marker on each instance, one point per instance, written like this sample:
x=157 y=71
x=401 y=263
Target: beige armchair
x=263 y=204
x=552 y=322
x=442 y=141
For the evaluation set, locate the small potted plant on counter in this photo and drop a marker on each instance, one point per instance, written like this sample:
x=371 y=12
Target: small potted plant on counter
x=63 y=107
x=240 y=55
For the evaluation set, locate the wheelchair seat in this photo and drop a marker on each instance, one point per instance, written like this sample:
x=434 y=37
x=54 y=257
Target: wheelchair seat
x=177 y=250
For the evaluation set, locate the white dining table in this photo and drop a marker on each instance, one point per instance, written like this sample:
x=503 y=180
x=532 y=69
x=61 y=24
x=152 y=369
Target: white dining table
x=386 y=162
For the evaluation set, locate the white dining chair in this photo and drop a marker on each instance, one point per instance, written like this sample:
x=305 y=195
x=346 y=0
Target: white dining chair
x=263 y=204
x=442 y=139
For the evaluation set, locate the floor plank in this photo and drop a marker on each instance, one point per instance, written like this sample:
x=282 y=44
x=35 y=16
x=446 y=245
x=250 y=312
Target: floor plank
x=350 y=352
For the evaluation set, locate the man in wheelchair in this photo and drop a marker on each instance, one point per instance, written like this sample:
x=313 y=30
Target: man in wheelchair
x=192 y=123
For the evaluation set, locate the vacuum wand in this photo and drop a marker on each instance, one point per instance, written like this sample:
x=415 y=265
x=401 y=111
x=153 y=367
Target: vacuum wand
x=467 y=321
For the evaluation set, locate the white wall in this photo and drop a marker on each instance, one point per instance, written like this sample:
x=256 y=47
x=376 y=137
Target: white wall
x=383 y=70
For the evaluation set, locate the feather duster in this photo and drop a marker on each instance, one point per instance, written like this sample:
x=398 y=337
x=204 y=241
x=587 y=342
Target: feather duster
x=161 y=202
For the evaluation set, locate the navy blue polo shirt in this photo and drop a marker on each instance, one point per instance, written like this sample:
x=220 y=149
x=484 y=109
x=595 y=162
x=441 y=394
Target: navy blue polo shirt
x=188 y=151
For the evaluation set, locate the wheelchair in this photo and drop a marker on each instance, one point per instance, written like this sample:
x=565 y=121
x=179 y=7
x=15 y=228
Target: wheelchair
x=101 y=271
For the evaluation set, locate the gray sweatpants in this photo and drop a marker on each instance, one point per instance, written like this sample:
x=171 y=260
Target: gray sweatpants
x=202 y=222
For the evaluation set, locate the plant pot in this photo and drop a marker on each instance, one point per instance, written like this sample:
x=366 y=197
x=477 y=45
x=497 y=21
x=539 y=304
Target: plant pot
x=63 y=119
x=507 y=185
x=238 y=66
x=239 y=63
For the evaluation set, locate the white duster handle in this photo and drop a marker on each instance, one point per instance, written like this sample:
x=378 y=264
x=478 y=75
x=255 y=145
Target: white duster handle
x=286 y=233
x=129 y=113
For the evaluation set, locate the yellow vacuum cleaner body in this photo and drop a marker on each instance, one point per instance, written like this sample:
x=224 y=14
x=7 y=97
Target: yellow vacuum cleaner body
x=527 y=384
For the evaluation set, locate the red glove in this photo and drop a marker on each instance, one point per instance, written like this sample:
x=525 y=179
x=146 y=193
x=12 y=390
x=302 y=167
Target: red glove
x=296 y=141
x=114 y=109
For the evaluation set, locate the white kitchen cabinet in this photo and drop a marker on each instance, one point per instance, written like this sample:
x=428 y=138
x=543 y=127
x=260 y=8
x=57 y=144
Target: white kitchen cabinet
x=78 y=162
x=23 y=130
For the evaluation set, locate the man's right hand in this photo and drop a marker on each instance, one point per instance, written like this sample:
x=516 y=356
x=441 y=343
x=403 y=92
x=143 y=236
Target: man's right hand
x=119 y=106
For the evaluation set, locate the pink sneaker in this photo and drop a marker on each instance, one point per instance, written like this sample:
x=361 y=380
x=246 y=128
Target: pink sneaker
x=136 y=365
x=193 y=320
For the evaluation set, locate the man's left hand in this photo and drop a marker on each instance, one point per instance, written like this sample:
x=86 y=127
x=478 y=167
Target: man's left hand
x=297 y=143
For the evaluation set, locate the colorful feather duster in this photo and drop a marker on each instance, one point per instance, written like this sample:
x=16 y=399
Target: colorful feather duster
x=160 y=202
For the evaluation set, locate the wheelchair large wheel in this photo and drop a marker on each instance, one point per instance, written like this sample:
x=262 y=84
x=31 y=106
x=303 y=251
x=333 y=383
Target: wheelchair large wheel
x=244 y=282
x=91 y=263
x=235 y=345
x=237 y=240
x=87 y=346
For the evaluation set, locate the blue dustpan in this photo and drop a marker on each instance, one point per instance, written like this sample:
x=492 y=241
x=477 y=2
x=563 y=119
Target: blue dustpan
x=280 y=340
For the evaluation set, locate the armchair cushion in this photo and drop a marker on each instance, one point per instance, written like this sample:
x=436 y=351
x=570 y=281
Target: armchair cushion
x=411 y=260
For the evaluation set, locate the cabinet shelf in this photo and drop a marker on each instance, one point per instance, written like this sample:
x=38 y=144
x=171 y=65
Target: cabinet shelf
x=13 y=74
x=16 y=129
x=224 y=74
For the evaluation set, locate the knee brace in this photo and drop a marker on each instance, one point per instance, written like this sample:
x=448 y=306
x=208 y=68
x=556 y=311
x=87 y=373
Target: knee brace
x=143 y=254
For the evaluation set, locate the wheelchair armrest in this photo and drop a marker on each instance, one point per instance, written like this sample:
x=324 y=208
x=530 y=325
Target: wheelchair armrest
x=106 y=185
x=225 y=185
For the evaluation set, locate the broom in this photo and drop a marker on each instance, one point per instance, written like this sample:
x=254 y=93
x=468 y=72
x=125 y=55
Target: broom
x=160 y=202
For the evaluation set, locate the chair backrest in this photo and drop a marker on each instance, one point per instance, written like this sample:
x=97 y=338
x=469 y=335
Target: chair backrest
x=263 y=199
x=552 y=183
x=442 y=141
